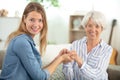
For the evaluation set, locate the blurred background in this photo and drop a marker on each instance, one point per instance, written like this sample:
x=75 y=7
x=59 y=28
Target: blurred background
x=58 y=16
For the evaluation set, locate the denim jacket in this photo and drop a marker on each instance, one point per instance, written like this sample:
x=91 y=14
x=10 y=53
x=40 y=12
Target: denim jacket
x=23 y=61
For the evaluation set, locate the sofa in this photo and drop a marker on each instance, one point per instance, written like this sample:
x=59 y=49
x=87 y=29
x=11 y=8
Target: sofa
x=53 y=50
x=114 y=67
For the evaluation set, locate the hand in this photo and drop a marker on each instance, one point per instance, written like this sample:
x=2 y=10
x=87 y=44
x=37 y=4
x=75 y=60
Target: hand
x=63 y=51
x=75 y=57
x=65 y=54
x=66 y=58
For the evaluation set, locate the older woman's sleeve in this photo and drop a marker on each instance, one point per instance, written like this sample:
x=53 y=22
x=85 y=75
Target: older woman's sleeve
x=68 y=71
x=102 y=63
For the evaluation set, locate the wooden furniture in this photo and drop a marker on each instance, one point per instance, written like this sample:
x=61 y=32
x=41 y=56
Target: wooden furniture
x=76 y=31
x=113 y=59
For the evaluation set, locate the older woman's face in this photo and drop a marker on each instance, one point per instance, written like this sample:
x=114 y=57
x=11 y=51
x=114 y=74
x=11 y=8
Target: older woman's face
x=93 y=30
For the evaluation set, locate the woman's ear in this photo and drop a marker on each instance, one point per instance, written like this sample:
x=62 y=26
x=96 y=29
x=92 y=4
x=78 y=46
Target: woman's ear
x=102 y=28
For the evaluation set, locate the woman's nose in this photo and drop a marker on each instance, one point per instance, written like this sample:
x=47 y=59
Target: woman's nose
x=36 y=22
x=93 y=28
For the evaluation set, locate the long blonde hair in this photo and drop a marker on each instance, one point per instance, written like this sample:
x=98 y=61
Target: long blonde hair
x=32 y=6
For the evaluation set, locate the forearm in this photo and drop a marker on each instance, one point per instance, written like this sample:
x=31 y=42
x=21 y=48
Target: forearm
x=79 y=61
x=50 y=63
x=63 y=57
x=89 y=69
x=53 y=65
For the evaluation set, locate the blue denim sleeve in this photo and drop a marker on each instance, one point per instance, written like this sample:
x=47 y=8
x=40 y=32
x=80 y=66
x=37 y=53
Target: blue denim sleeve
x=47 y=73
x=24 y=51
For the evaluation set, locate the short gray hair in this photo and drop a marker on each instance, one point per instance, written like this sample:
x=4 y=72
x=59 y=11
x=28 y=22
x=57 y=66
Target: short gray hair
x=97 y=17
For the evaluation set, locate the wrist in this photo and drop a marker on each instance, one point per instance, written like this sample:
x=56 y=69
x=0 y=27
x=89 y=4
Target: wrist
x=60 y=58
x=79 y=61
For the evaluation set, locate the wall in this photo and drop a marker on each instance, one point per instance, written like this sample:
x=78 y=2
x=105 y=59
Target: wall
x=58 y=18
x=7 y=25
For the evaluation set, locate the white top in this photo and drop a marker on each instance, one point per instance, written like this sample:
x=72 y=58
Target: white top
x=95 y=63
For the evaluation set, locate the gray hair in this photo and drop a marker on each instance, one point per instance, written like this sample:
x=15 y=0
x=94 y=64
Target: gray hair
x=97 y=17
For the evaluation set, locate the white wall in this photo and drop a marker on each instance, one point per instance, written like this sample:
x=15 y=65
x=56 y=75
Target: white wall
x=12 y=6
x=7 y=25
x=58 y=18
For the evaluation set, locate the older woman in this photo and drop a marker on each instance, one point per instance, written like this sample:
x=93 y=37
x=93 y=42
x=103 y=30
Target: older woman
x=91 y=54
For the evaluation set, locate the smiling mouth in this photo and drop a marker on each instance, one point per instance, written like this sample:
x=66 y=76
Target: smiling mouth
x=35 y=29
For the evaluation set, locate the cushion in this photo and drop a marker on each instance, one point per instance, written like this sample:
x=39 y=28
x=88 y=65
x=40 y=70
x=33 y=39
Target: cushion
x=114 y=72
x=118 y=59
x=58 y=74
x=0 y=71
x=2 y=54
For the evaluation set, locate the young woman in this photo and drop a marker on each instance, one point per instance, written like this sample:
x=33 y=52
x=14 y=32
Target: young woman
x=22 y=60
x=91 y=54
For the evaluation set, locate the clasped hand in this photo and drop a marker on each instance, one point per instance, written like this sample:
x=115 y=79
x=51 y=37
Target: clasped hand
x=68 y=56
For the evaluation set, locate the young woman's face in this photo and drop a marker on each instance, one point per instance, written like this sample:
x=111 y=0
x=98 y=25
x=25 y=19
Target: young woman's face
x=34 y=23
x=93 y=30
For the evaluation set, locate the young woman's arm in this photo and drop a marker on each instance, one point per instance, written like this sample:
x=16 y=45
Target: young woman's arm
x=63 y=57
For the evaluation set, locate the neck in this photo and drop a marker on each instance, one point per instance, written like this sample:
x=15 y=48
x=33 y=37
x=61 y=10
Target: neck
x=91 y=44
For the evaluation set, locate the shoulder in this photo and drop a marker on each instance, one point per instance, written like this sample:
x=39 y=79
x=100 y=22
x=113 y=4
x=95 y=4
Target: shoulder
x=106 y=47
x=20 y=40
x=20 y=44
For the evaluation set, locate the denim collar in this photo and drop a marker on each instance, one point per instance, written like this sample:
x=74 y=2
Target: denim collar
x=28 y=37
